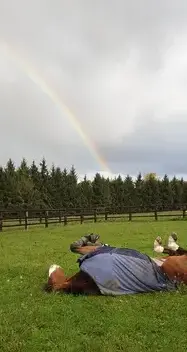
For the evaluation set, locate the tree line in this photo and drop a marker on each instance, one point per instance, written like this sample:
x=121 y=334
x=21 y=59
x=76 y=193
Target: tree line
x=32 y=186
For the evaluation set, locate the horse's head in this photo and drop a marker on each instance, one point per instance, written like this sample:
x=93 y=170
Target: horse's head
x=56 y=279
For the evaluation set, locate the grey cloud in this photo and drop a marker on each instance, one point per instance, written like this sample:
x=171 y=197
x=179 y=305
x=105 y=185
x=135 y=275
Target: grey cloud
x=102 y=29
x=114 y=63
x=154 y=146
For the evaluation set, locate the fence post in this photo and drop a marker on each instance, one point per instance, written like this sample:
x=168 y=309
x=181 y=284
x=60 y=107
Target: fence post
x=81 y=218
x=60 y=216
x=26 y=220
x=46 y=218
x=40 y=217
x=184 y=213
x=95 y=215
x=106 y=215
x=65 y=220
x=20 y=218
x=1 y=222
x=156 y=215
x=130 y=215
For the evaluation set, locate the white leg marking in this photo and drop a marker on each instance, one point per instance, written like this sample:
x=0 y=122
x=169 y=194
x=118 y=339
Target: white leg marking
x=172 y=244
x=157 y=245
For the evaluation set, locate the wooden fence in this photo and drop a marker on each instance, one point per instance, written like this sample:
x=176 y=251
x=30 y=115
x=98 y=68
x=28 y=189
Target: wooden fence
x=25 y=219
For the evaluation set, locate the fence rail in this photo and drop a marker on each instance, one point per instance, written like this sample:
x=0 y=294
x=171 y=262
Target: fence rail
x=25 y=219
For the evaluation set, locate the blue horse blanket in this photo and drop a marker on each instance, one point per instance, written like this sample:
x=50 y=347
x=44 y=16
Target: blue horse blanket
x=122 y=271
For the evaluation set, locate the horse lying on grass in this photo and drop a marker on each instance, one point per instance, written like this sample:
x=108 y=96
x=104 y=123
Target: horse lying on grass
x=107 y=270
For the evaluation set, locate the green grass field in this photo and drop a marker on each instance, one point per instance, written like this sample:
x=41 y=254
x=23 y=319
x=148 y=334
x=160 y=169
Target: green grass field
x=31 y=320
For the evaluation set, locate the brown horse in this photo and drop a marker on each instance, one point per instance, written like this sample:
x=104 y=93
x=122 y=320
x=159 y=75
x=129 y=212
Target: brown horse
x=173 y=267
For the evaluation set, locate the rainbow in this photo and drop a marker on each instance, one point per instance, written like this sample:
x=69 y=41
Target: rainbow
x=53 y=96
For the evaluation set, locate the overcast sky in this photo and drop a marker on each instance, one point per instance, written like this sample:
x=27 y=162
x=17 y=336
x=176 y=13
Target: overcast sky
x=120 y=66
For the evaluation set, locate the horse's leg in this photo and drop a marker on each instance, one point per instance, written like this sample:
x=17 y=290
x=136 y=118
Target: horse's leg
x=175 y=264
x=181 y=251
x=169 y=251
x=85 y=249
x=85 y=241
x=172 y=249
x=172 y=252
x=173 y=246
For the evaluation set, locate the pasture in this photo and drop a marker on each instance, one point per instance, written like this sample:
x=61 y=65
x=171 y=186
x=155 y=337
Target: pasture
x=33 y=321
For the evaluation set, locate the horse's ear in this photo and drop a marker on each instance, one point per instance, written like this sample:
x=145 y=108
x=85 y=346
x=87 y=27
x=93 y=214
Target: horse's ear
x=48 y=286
